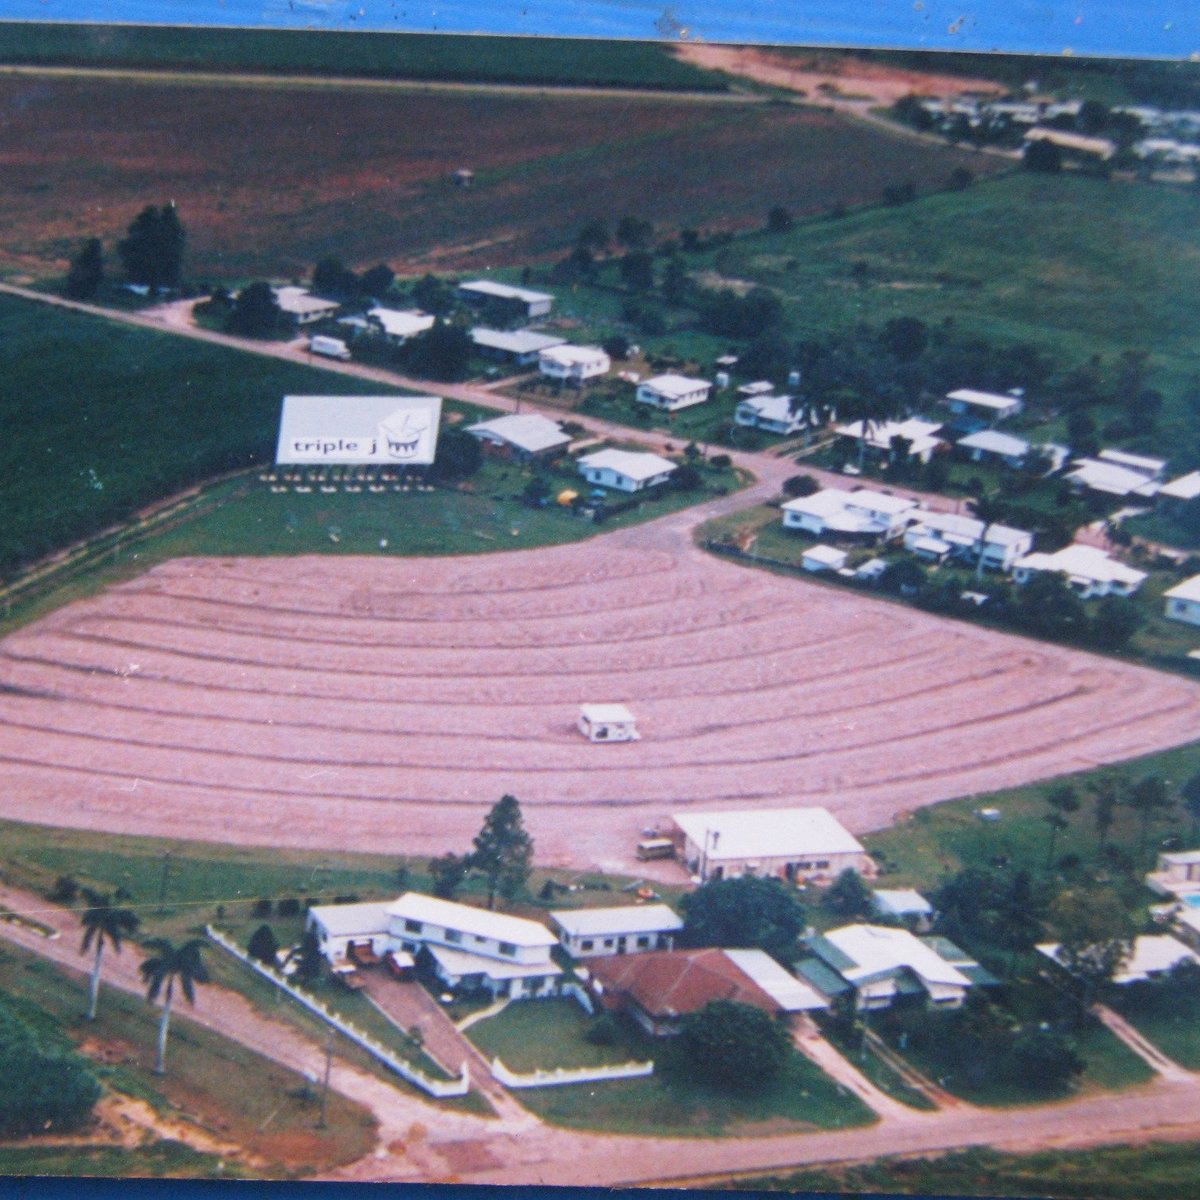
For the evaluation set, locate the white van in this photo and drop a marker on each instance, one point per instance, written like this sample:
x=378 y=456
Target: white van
x=330 y=347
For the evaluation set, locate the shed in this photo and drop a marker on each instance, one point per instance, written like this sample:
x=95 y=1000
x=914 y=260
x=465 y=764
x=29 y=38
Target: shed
x=607 y=723
x=823 y=558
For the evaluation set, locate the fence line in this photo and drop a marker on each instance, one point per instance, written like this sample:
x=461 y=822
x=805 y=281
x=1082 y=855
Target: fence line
x=434 y=1087
x=559 y=1076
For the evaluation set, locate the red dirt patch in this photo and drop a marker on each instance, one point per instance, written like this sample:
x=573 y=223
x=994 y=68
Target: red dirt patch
x=383 y=705
x=270 y=179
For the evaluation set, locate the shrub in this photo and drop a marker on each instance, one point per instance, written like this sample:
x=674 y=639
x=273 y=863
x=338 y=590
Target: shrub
x=800 y=485
x=289 y=907
x=65 y=890
x=604 y=1031
x=262 y=908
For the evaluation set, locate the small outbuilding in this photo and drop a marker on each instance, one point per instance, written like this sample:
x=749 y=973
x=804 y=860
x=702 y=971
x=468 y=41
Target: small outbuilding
x=607 y=723
x=1183 y=601
x=823 y=558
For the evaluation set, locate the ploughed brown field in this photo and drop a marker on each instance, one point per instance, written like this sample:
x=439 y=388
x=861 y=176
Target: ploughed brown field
x=379 y=704
x=271 y=178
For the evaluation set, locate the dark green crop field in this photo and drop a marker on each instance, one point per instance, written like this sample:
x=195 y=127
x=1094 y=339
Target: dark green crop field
x=373 y=55
x=101 y=419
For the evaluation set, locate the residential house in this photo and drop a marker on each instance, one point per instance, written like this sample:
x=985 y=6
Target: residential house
x=1176 y=873
x=799 y=845
x=470 y=948
x=1183 y=601
x=1118 y=473
x=625 y=470
x=658 y=989
x=528 y=303
x=986 y=405
x=992 y=446
x=878 y=965
x=782 y=415
x=521 y=437
x=876 y=442
x=573 y=364
x=302 y=306
x=629 y=929
x=1174 y=495
x=862 y=515
x=396 y=326
x=938 y=535
x=673 y=392
x=1151 y=957
x=1077 y=146
x=1089 y=571
x=905 y=905
x=518 y=346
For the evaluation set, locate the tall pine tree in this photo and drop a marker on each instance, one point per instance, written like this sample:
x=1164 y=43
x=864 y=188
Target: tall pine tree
x=152 y=250
x=503 y=852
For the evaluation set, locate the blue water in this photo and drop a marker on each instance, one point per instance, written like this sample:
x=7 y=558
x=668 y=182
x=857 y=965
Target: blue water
x=1168 y=28
x=1192 y=901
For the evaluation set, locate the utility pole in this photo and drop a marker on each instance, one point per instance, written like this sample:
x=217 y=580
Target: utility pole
x=325 y=1084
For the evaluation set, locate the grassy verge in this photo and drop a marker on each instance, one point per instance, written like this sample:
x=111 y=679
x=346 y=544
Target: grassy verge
x=667 y=1104
x=883 y=1076
x=271 y=1113
x=1174 y=1027
x=579 y=61
x=159 y=1160
x=1102 y=1173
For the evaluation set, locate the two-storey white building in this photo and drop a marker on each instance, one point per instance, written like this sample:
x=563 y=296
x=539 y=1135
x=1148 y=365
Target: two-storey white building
x=470 y=948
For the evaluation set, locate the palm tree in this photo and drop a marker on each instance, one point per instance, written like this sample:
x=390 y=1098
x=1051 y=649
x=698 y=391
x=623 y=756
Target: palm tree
x=989 y=510
x=102 y=923
x=167 y=963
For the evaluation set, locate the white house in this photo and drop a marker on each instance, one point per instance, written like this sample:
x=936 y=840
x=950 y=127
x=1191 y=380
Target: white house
x=990 y=445
x=1078 y=144
x=1177 y=872
x=397 y=326
x=532 y=304
x=673 y=392
x=863 y=514
x=607 y=723
x=1183 y=601
x=939 y=535
x=302 y=306
x=1118 y=473
x=919 y=433
x=823 y=558
x=879 y=963
x=1089 y=571
x=795 y=844
x=625 y=470
x=1151 y=957
x=903 y=904
x=631 y=929
x=772 y=414
x=573 y=364
x=520 y=346
x=470 y=948
x=987 y=405
x=1180 y=491
x=522 y=437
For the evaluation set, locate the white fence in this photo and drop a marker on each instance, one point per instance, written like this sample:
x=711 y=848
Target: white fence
x=565 y=1075
x=433 y=1087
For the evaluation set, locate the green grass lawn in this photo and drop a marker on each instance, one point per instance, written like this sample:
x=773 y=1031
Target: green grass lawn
x=1017 y=258
x=872 y=1066
x=1100 y=1173
x=1174 y=1028
x=665 y=1104
x=551 y=1033
x=271 y=1112
x=371 y=54
x=1161 y=527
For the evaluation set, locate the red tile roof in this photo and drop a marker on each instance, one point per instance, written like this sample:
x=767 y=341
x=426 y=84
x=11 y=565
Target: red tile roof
x=668 y=983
